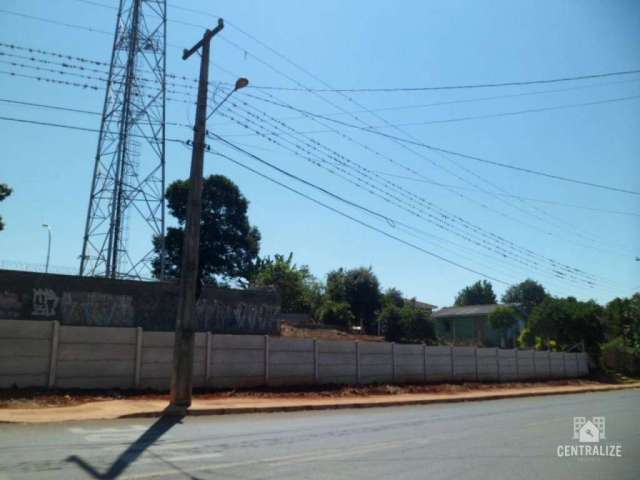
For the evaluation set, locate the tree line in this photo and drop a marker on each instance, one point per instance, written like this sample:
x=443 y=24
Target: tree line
x=229 y=254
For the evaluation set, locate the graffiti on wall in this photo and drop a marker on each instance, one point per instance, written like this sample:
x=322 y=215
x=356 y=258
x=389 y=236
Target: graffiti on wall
x=73 y=300
x=213 y=315
x=97 y=309
x=45 y=302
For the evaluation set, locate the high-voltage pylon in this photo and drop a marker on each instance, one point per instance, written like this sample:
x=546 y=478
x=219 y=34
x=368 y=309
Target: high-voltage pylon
x=127 y=189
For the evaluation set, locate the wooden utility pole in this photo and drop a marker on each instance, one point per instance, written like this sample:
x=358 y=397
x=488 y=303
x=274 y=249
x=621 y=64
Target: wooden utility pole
x=183 y=350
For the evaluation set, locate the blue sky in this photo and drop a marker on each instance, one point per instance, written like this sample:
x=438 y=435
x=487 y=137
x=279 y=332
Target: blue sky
x=360 y=45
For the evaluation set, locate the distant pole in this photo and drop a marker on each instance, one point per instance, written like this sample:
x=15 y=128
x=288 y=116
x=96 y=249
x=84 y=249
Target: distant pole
x=46 y=267
x=183 y=351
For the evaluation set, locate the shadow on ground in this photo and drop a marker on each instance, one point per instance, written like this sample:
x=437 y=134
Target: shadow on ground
x=161 y=426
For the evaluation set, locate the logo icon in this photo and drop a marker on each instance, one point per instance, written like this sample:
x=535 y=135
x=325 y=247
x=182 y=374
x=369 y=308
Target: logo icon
x=589 y=430
x=590 y=435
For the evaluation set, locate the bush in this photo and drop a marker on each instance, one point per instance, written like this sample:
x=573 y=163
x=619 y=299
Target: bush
x=406 y=324
x=335 y=313
x=391 y=320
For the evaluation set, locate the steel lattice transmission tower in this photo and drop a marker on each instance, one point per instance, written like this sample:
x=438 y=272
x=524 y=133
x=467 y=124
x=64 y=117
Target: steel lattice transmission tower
x=127 y=189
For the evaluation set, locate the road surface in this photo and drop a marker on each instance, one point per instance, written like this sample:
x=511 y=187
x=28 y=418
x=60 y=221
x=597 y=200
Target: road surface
x=515 y=438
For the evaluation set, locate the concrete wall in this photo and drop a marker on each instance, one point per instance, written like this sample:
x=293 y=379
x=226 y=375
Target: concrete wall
x=47 y=354
x=122 y=303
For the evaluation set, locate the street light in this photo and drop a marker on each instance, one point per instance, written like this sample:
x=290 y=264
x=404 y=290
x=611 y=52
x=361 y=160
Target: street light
x=46 y=268
x=240 y=83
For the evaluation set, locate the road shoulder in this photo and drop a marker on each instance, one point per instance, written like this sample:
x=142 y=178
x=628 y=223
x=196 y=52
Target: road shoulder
x=114 y=409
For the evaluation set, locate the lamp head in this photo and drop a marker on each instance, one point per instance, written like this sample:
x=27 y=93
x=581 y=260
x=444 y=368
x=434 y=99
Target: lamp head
x=241 y=83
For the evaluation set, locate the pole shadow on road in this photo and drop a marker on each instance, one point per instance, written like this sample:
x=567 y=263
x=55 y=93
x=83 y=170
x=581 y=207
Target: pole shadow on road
x=161 y=426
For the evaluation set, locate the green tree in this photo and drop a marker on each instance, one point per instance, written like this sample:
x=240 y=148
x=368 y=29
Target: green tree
x=417 y=323
x=229 y=245
x=622 y=317
x=360 y=288
x=528 y=294
x=568 y=322
x=392 y=296
x=298 y=289
x=480 y=293
x=5 y=191
x=408 y=323
x=502 y=319
x=390 y=319
x=335 y=313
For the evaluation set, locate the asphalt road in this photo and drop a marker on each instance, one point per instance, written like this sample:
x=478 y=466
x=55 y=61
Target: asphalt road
x=495 y=439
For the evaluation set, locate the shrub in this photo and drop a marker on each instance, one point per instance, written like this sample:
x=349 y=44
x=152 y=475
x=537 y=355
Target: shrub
x=335 y=313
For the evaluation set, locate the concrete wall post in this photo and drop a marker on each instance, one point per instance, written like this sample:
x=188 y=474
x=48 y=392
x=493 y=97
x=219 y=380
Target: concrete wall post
x=393 y=362
x=535 y=372
x=53 y=357
x=424 y=362
x=357 y=362
x=453 y=365
x=549 y=362
x=564 y=364
x=266 y=359
x=316 y=363
x=517 y=364
x=475 y=359
x=498 y=364
x=138 y=365
x=207 y=358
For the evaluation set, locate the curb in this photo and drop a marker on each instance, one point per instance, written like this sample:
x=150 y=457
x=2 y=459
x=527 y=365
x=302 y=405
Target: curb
x=390 y=403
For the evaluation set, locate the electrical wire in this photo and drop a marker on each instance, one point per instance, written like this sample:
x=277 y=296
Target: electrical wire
x=324 y=205
x=445 y=215
x=592 y=76
x=482 y=204
x=71 y=127
x=457 y=154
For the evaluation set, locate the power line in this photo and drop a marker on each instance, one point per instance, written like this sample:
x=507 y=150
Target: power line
x=56 y=22
x=482 y=204
x=416 y=106
x=451 y=152
x=68 y=127
x=444 y=217
x=496 y=115
x=335 y=210
x=270 y=66
x=592 y=76
x=288 y=60
x=529 y=199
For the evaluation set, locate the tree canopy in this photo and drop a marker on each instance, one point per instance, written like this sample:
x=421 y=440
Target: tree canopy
x=299 y=291
x=528 y=294
x=229 y=245
x=335 y=313
x=392 y=296
x=360 y=289
x=480 y=293
x=502 y=319
x=568 y=322
x=407 y=323
x=5 y=191
x=622 y=317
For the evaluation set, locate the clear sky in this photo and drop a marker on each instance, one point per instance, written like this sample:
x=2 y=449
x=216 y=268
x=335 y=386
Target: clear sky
x=371 y=44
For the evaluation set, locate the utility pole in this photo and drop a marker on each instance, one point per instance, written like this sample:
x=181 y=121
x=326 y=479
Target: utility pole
x=182 y=377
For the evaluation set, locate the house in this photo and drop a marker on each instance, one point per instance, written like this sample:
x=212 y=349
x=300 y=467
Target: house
x=470 y=325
